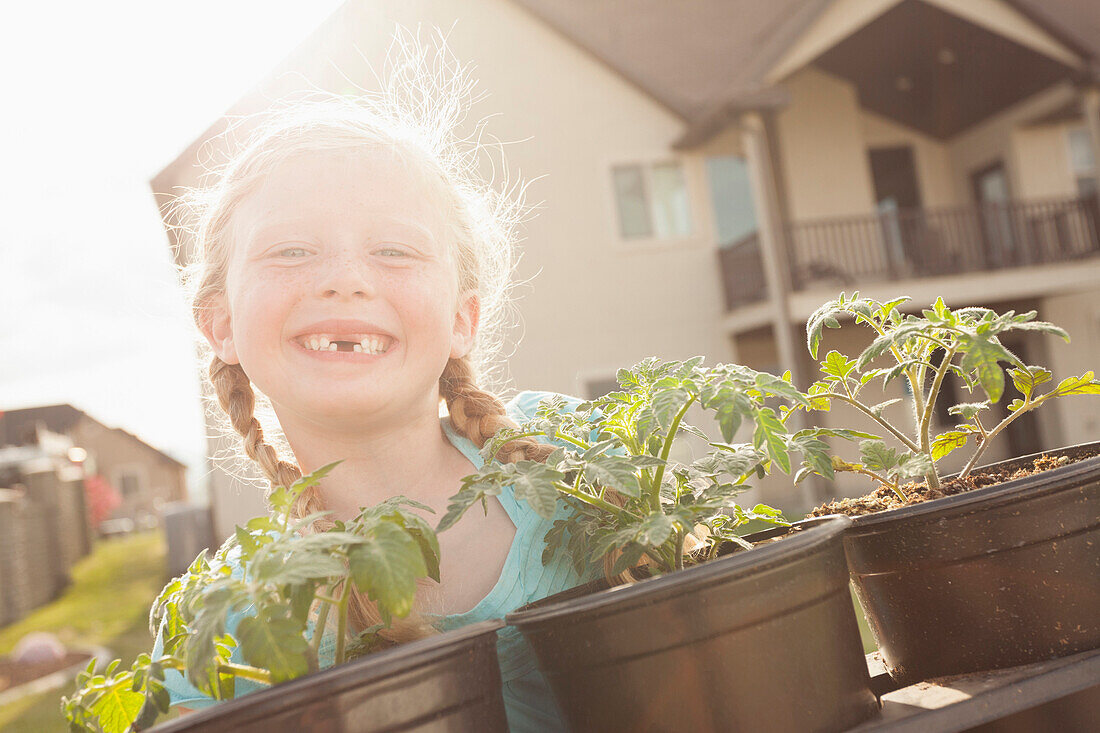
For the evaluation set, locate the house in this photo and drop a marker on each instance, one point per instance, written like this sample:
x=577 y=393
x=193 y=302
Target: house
x=145 y=477
x=715 y=169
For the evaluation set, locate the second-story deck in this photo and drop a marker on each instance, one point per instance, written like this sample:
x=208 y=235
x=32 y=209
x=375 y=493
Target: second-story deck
x=852 y=252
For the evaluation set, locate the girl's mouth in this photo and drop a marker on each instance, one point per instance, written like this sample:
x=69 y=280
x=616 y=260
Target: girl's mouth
x=372 y=344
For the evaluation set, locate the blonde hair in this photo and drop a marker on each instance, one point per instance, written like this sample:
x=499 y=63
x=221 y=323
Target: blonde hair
x=423 y=102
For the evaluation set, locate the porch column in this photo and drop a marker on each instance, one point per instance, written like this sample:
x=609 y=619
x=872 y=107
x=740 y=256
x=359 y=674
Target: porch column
x=1090 y=106
x=772 y=231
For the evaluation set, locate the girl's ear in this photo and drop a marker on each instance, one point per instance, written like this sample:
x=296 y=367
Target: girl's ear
x=466 y=321
x=217 y=327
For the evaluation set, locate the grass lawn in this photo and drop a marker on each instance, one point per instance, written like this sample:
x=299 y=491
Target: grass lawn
x=107 y=605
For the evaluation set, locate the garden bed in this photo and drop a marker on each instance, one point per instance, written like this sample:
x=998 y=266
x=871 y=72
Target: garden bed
x=13 y=674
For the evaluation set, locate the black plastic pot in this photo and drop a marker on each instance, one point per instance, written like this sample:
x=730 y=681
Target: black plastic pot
x=995 y=577
x=754 y=641
x=450 y=682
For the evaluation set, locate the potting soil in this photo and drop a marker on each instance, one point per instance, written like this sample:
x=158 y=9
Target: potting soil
x=884 y=498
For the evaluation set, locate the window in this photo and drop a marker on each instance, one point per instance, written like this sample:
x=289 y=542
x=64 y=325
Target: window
x=731 y=198
x=130 y=479
x=128 y=484
x=1082 y=161
x=652 y=201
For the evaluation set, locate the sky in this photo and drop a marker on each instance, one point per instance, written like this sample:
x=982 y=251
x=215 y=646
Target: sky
x=98 y=98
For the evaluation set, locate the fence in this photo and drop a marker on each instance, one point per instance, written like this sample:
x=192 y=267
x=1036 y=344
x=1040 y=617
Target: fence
x=43 y=531
x=847 y=252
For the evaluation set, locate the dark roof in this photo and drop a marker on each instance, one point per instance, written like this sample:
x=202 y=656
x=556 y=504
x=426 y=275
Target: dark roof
x=17 y=427
x=698 y=57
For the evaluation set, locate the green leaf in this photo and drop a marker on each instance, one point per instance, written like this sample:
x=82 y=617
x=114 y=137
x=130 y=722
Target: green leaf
x=422 y=532
x=298 y=566
x=968 y=410
x=262 y=524
x=534 y=483
x=877 y=410
x=877 y=456
x=118 y=706
x=276 y=644
x=771 y=435
x=735 y=460
x=837 y=365
x=1084 y=384
x=614 y=472
x=301 y=600
x=982 y=356
x=667 y=403
x=632 y=553
x=815 y=453
x=729 y=416
x=913 y=465
x=487 y=482
x=1026 y=380
x=654 y=530
x=386 y=568
x=779 y=387
x=944 y=443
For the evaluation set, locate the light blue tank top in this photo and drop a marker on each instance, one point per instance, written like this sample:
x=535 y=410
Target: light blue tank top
x=528 y=702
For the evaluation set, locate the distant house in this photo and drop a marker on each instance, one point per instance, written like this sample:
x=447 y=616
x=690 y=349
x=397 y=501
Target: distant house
x=715 y=169
x=145 y=477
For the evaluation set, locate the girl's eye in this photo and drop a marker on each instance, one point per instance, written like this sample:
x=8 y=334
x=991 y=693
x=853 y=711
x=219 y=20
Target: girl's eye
x=293 y=252
x=391 y=252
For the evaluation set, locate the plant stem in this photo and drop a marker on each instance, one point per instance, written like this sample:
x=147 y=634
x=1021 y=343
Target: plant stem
x=319 y=627
x=246 y=672
x=881 y=479
x=880 y=420
x=559 y=435
x=680 y=550
x=932 y=478
x=659 y=475
x=342 y=622
x=594 y=501
x=1026 y=407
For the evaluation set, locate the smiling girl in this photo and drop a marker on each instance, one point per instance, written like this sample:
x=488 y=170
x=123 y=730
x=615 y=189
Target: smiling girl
x=352 y=269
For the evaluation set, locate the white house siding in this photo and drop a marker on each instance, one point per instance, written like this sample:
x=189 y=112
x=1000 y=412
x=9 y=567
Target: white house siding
x=1078 y=313
x=1042 y=160
x=822 y=149
x=992 y=141
x=595 y=302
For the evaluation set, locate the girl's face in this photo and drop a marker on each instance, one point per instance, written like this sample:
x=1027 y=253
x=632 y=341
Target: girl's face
x=342 y=300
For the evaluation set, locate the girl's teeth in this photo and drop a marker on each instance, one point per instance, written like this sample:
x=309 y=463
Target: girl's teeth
x=372 y=345
x=367 y=345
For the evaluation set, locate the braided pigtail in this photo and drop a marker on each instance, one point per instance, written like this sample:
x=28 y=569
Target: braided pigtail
x=235 y=395
x=479 y=414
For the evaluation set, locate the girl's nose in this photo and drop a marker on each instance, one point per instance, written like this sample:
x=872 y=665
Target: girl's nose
x=345 y=278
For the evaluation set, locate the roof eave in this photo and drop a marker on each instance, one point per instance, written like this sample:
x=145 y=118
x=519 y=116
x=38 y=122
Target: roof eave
x=706 y=127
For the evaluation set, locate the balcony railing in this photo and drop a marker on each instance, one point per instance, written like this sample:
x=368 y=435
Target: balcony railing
x=912 y=243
